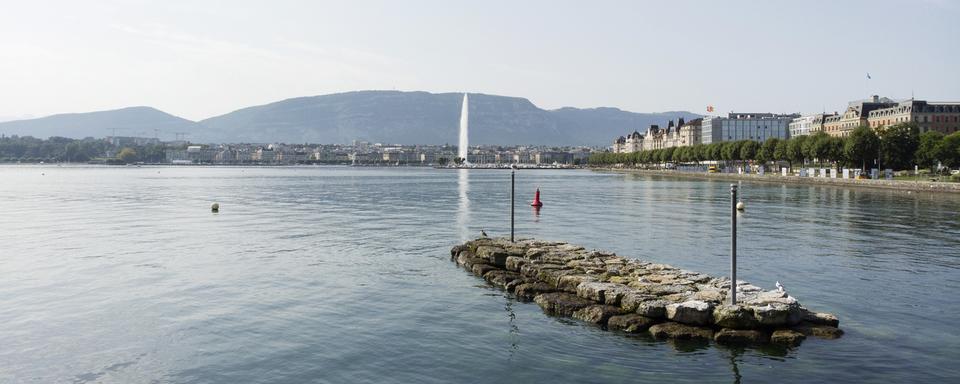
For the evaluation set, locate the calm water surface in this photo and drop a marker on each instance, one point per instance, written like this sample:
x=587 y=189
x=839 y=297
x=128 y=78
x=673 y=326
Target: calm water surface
x=335 y=275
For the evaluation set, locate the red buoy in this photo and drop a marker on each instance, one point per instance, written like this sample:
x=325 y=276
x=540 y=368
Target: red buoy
x=536 y=200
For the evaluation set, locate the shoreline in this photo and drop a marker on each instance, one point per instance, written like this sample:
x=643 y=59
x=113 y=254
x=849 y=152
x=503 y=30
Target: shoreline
x=895 y=185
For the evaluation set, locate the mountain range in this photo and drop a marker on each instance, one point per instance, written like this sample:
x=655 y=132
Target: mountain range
x=376 y=116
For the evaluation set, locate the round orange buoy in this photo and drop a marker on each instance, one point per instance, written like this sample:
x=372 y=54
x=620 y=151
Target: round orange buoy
x=536 y=200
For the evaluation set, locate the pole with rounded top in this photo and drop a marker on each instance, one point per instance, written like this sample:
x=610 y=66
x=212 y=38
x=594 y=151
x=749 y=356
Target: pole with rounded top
x=733 y=244
x=513 y=177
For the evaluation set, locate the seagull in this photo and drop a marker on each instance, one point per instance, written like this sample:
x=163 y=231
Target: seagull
x=779 y=286
x=483 y=233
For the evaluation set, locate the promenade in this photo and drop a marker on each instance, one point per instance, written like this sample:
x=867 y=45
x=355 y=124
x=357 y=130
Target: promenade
x=900 y=185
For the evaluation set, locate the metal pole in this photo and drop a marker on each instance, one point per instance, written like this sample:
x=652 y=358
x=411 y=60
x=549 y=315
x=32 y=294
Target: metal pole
x=513 y=174
x=733 y=244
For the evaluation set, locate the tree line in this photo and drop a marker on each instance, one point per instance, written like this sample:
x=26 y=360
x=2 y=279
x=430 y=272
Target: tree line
x=898 y=147
x=62 y=149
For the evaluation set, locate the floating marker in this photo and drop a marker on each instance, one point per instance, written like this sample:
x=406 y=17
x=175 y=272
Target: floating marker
x=215 y=207
x=740 y=206
x=536 y=199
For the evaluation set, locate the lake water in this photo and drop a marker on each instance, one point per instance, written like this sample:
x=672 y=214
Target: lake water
x=342 y=275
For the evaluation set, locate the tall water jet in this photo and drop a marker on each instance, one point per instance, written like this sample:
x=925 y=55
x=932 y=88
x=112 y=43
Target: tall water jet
x=464 y=122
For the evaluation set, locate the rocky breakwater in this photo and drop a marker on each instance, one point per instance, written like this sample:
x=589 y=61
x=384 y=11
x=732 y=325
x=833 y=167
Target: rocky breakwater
x=636 y=296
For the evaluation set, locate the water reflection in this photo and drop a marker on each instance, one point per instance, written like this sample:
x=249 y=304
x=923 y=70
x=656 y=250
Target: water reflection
x=514 y=329
x=536 y=214
x=463 y=204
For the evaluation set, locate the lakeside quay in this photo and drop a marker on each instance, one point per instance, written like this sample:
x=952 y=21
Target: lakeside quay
x=898 y=185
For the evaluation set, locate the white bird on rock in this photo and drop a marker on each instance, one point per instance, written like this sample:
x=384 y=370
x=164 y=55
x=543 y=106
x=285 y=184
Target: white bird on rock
x=779 y=286
x=483 y=233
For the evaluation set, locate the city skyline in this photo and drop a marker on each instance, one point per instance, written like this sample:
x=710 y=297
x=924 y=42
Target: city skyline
x=203 y=60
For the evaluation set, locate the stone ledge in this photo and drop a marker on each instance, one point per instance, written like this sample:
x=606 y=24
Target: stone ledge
x=633 y=296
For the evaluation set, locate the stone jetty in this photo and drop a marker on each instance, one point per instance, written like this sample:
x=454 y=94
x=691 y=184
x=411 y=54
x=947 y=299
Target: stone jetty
x=636 y=296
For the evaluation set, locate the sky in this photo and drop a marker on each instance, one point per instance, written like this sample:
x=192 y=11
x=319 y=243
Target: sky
x=198 y=59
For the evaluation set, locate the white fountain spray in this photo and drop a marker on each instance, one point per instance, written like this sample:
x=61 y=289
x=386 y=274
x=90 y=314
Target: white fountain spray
x=464 y=122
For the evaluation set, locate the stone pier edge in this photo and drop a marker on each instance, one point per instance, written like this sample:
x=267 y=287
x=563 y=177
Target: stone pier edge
x=635 y=296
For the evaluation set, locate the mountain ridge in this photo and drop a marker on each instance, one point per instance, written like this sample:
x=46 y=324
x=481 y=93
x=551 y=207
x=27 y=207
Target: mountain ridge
x=396 y=117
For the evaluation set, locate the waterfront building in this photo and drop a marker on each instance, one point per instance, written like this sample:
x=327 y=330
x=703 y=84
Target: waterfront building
x=632 y=143
x=808 y=124
x=619 y=144
x=689 y=133
x=745 y=126
x=855 y=115
x=680 y=134
x=550 y=157
x=655 y=137
x=942 y=117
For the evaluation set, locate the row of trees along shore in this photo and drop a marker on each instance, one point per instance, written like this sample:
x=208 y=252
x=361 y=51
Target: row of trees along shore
x=62 y=149
x=898 y=147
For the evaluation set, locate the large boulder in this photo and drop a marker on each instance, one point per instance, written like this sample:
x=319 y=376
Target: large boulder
x=455 y=251
x=569 y=281
x=561 y=303
x=514 y=263
x=735 y=317
x=467 y=259
x=671 y=330
x=595 y=291
x=481 y=269
x=500 y=277
x=632 y=298
x=656 y=309
x=553 y=276
x=512 y=286
x=820 y=318
x=774 y=308
x=527 y=291
x=821 y=331
x=741 y=336
x=787 y=337
x=691 y=312
x=493 y=255
x=775 y=314
x=709 y=295
x=597 y=314
x=630 y=323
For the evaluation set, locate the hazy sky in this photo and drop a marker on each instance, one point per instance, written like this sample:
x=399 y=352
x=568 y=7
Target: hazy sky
x=198 y=59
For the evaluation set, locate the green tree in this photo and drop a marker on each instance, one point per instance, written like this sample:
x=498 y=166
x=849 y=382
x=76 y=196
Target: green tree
x=782 y=153
x=713 y=151
x=929 y=149
x=861 y=146
x=795 y=151
x=767 y=150
x=748 y=150
x=730 y=151
x=822 y=148
x=898 y=145
x=127 y=155
x=834 y=151
x=949 y=148
x=698 y=153
x=668 y=154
